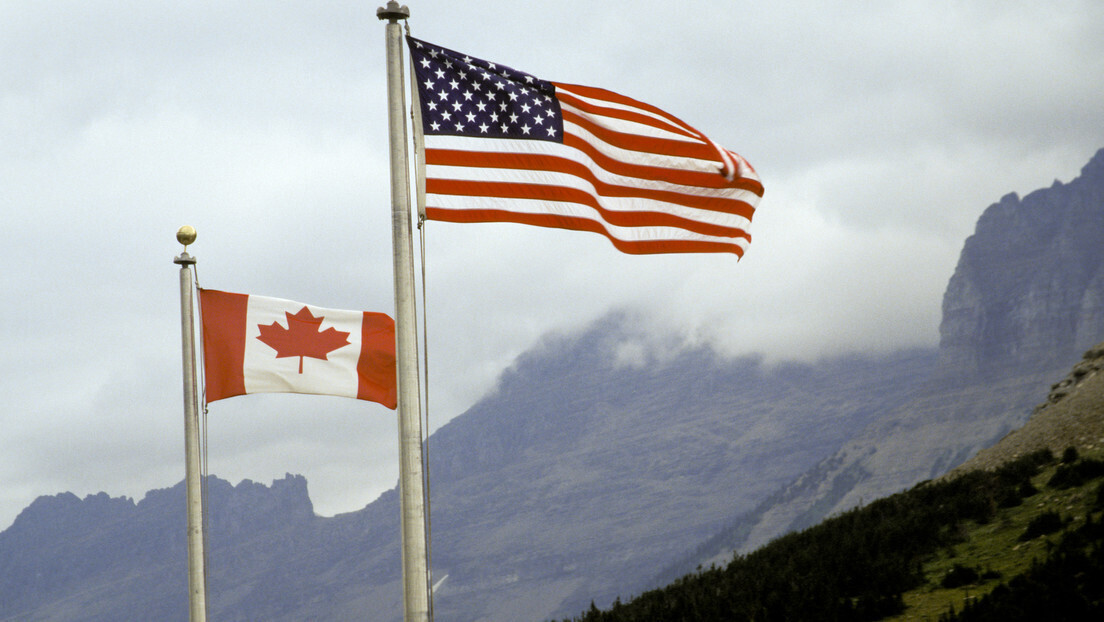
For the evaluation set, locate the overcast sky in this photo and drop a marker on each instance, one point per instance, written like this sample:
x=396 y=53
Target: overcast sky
x=880 y=130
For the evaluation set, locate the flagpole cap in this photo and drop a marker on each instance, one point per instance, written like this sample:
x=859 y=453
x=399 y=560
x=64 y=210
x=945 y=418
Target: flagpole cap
x=185 y=235
x=393 y=11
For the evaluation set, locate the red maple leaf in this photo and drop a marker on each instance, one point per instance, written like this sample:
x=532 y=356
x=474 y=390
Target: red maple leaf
x=302 y=337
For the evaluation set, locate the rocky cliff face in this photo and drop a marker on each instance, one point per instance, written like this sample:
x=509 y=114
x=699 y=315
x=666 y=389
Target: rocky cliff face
x=1028 y=291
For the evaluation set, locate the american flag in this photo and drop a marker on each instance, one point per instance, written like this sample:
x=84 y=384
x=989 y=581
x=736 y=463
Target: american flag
x=502 y=145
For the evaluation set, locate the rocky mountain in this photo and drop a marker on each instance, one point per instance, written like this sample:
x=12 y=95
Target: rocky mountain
x=585 y=476
x=1028 y=291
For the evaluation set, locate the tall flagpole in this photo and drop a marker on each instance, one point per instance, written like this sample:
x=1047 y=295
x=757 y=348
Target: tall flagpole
x=411 y=483
x=197 y=589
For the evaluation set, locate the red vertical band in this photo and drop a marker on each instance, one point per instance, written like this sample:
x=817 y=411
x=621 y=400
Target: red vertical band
x=223 y=316
x=376 y=365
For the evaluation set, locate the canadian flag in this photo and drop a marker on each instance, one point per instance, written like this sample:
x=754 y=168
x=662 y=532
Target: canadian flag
x=256 y=344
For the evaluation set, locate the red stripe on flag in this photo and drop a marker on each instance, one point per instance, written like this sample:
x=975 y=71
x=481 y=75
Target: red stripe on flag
x=595 y=92
x=673 y=123
x=636 y=218
x=637 y=247
x=376 y=371
x=644 y=144
x=223 y=323
x=705 y=199
x=591 y=108
x=712 y=180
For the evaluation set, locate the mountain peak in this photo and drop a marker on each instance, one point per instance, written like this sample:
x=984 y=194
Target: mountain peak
x=56 y=514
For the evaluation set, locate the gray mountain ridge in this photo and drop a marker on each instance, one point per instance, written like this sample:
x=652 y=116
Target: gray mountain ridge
x=584 y=478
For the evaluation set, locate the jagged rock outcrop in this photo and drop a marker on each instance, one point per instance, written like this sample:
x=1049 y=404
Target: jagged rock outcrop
x=1028 y=291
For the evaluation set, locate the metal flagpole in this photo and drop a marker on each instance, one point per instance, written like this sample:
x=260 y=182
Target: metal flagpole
x=197 y=591
x=411 y=483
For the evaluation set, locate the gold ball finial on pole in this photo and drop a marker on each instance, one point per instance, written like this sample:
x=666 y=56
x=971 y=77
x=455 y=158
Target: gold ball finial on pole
x=186 y=235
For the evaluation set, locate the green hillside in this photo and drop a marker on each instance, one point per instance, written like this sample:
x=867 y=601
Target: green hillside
x=1005 y=544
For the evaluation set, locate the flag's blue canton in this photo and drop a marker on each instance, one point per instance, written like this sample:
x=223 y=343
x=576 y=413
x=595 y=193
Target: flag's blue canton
x=465 y=96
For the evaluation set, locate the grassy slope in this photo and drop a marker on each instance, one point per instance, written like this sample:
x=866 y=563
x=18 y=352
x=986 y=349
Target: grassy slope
x=891 y=556
x=996 y=547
